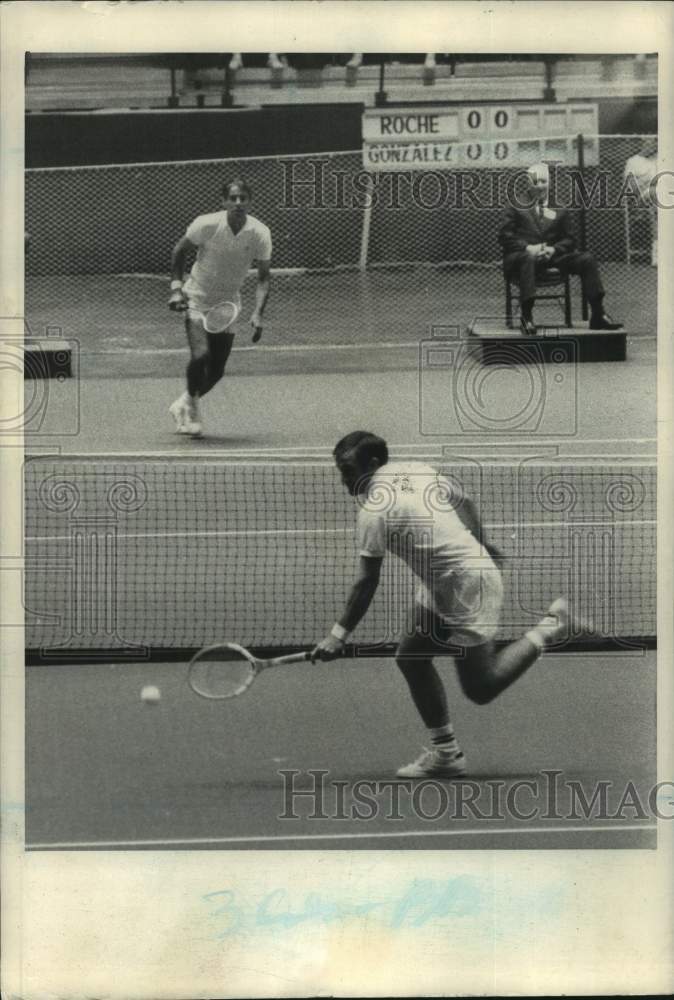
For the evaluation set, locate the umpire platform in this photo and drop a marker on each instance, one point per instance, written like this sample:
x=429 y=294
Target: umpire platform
x=47 y=357
x=557 y=344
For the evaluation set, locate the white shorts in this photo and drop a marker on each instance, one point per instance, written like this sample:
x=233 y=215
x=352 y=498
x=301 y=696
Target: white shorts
x=198 y=304
x=469 y=601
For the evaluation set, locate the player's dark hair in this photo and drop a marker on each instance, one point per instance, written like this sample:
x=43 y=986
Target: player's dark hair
x=240 y=183
x=365 y=445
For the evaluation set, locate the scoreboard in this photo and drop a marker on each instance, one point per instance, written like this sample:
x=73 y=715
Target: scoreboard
x=479 y=135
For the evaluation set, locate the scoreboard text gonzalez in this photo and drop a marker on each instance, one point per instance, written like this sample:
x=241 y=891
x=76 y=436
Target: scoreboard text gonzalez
x=480 y=135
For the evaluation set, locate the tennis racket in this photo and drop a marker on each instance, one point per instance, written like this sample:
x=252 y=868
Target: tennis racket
x=220 y=317
x=228 y=670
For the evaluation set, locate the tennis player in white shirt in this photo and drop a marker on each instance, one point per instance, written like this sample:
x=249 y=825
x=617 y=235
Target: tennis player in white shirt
x=642 y=169
x=458 y=598
x=227 y=243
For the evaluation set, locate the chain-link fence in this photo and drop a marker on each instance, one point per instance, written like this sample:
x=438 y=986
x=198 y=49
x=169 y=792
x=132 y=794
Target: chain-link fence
x=357 y=255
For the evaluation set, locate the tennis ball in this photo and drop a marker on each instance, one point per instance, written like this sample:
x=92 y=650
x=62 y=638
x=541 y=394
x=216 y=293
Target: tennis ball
x=150 y=695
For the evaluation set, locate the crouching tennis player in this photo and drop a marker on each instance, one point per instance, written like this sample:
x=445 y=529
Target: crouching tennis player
x=404 y=508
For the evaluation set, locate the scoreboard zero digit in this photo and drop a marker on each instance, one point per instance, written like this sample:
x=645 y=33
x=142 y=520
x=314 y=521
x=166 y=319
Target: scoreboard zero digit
x=480 y=135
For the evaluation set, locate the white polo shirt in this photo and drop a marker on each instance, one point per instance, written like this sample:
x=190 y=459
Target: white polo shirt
x=643 y=169
x=223 y=258
x=407 y=511
x=408 y=497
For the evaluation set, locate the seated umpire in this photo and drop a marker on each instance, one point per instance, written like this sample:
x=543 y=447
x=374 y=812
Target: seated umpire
x=537 y=237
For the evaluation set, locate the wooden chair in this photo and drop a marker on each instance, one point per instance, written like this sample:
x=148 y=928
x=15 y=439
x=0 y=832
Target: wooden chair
x=550 y=278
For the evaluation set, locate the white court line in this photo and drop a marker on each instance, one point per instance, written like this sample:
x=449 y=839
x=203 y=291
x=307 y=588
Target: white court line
x=273 y=348
x=318 y=460
x=305 y=348
x=293 y=458
x=335 y=531
x=205 y=534
x=315 y=451
x=416 y=444
x=103 y=845
x=438 y=450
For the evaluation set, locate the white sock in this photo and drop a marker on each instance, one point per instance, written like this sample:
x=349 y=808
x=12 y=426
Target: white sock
x=443 y=737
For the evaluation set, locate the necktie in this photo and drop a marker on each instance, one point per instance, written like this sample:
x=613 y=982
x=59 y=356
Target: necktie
x=541 y=210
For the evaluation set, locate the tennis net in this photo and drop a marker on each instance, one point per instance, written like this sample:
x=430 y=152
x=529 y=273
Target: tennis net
x=139 y=556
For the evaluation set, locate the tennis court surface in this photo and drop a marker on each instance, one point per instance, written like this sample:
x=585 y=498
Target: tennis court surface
x=105 y=771
x=136 y=536
x=142 y=545
x=134 y=562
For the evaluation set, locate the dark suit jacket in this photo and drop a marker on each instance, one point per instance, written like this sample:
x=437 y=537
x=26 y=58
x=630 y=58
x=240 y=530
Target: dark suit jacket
x=521 y=226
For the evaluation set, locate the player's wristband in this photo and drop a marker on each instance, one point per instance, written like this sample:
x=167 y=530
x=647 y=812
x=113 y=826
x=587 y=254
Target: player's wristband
x=536 y=639
x=339 y=632
x=176 y=285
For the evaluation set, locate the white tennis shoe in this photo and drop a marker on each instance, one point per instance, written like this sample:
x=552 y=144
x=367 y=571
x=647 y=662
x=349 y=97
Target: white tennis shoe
x=436 y=763
x=193 y=418
x=178 y=411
